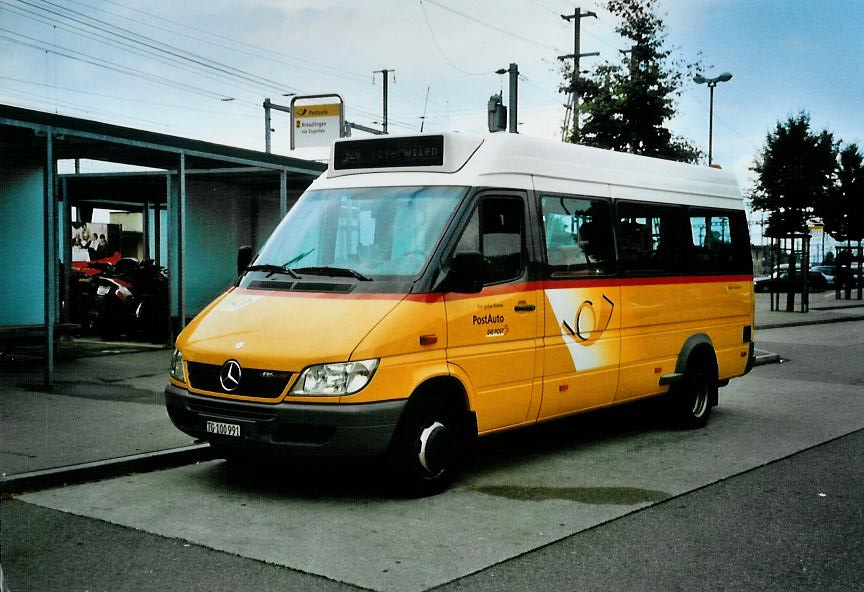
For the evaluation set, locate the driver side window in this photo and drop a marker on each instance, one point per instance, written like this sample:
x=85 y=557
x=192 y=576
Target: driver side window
x=497 y=230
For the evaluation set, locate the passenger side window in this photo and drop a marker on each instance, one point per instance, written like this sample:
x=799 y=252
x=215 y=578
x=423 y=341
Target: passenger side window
x=719 y=241
x=497 y=230
x=650 y=239
x=578 y=236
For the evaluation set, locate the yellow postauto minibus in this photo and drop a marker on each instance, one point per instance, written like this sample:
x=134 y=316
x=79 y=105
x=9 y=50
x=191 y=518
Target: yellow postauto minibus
x=426 y=290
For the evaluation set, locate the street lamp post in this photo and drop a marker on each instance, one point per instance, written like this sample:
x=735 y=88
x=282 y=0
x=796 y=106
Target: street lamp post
x=711 y=82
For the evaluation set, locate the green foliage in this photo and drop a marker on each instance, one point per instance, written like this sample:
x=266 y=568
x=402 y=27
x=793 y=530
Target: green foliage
x=626 y=106
x=795 y=175
x=843 y=211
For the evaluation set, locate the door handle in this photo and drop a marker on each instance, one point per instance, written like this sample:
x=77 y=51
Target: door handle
x=522 y=307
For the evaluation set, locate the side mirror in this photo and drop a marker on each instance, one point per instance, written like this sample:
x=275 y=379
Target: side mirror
x=466 y=273
x=244 y=258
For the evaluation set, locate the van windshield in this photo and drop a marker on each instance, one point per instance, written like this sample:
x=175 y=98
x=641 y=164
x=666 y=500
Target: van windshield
x=370 y=231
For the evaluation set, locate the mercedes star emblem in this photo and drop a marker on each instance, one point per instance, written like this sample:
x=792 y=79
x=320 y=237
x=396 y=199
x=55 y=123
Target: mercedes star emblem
x=229 y=376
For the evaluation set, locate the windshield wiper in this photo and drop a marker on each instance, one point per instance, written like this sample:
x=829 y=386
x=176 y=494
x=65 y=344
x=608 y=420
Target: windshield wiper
x=272 y=269
x=299 y=257
x=333 y=272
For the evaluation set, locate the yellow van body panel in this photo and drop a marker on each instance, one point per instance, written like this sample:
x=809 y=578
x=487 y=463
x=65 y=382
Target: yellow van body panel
x=281 y=331
x=492 y=337
x=658 y=317
x=406 y=361
x=582 y=347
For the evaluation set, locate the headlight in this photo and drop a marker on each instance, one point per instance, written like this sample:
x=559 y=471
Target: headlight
x=345 y=378
x=177 y=366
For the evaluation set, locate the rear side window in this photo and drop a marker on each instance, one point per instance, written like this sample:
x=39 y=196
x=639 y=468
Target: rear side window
x=578 y=236
x=719 y=242
x=652 y=239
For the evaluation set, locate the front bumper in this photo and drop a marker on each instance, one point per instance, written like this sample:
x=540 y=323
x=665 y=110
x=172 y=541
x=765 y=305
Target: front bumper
x=294 y=429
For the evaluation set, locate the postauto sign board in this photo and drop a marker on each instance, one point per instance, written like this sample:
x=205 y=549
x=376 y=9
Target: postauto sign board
x=316 y=124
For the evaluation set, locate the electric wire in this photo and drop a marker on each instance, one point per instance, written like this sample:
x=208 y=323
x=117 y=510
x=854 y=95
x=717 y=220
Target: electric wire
x=274 y=84
x=127 y=47
x=266 y=53
x=490 y=26
x=113 y=66
x=441 y=51
x=124 y=98
x=258 y=51
x=155 y=45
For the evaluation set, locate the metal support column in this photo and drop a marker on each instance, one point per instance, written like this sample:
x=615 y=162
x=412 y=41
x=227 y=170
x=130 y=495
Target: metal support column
x=157 y=234
x=181 y=220
x=65 y=236
x=171 y=190
x=50 y=252
x=283 y=193
x=145 y=228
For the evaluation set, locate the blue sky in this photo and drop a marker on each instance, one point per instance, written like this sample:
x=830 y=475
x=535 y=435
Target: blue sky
x=785 y=56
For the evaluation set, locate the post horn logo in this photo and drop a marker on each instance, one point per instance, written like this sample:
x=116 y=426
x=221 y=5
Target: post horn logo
x=229 y=375
x=589 y=323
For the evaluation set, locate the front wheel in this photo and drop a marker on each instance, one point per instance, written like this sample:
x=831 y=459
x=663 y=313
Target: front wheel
x=425 y=447
x=691 y=400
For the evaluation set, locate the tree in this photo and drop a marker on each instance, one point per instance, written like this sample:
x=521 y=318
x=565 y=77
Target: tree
x=626 y=106
x=795 y=173
x=843 y=210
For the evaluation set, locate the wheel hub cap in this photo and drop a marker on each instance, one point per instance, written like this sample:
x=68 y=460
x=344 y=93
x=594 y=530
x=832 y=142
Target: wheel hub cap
x=433 y=448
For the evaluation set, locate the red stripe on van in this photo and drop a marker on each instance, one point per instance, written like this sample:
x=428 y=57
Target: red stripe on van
x=549 y=284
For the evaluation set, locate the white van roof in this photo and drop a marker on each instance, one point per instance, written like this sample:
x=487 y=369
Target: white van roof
x=522 y=162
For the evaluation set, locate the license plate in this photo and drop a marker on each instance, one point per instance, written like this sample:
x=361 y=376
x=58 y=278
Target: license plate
x=102 y=290
x=223 y=429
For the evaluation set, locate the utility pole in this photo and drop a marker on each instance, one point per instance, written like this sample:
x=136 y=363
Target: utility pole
x=513 y=70
x=267 y=128
x=573 y=105
x=384 y=74
x=268 y=105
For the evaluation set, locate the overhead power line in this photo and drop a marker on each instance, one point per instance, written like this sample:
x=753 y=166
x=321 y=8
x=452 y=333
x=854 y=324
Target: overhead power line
x=249 y=49
x=134 y=49
x=490 y=26
x=441 y=51
x=144 y=45
x=165 y=48
x=266 y=53
x=102 y=63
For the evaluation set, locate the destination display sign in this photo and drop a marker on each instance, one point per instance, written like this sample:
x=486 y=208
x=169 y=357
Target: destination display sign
x=416 y=151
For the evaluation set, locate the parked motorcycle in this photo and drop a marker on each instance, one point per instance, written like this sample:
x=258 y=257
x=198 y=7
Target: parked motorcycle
x=130 y=300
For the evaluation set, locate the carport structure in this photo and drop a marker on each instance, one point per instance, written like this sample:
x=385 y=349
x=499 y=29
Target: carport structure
x=202 y=202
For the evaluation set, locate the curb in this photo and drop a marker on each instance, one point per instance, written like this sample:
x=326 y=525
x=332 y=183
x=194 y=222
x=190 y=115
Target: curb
x=766 y=358
x=104 y=469
x=843 y=319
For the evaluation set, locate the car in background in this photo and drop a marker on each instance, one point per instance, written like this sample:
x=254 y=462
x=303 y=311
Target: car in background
x=827 y=270
x=781 y=282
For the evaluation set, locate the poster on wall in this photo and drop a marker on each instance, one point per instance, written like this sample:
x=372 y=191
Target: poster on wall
x=95 y=241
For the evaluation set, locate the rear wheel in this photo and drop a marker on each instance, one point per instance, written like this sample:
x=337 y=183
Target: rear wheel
x=426 y=446
x=691 y=399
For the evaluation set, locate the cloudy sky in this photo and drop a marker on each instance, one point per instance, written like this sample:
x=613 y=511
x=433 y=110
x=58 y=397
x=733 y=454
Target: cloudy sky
x=202 y=69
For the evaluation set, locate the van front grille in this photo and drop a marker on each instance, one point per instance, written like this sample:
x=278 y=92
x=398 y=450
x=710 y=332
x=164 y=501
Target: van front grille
x=265 y=384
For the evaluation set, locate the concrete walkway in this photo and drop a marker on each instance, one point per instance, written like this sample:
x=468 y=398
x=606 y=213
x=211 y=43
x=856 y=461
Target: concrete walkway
x=824 y=308
x=106 y=403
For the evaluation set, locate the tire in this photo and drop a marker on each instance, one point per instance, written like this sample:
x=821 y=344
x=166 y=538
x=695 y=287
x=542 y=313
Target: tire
x=426 y=447
x=691 y=399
